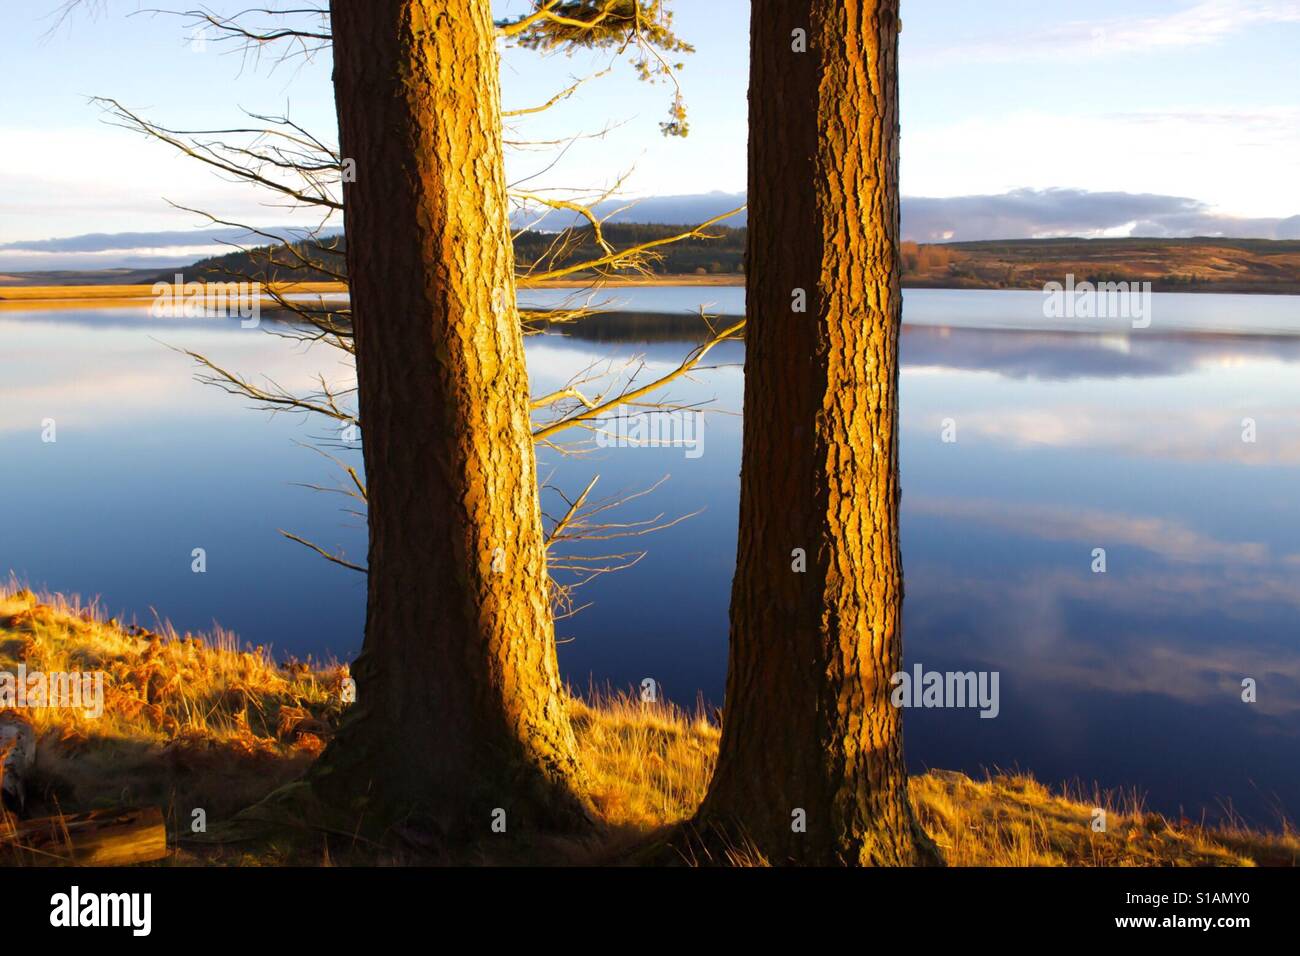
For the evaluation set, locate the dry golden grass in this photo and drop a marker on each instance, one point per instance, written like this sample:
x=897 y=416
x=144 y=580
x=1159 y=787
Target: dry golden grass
x=649 y=764
x=1170 y=266
x=1013 y=820
x=89 y=296
x=195 y=721
x=187 y=721
x=676 y=279
x=33 y=297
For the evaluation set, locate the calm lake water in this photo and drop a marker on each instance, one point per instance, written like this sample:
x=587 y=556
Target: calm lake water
x=1069 y=438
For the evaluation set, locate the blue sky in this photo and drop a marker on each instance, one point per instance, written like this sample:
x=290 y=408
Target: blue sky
x=1016 y=114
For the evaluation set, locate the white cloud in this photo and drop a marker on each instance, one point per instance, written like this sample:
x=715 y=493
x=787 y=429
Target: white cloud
x=1029 y=613
x=76 y=180
x=1243 y=162
x=135 y=378
x=1171 y=540
x=1199 y=24
x=1196 y=435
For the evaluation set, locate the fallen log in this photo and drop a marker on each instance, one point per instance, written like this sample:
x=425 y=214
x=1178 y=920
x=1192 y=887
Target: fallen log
x=100 y=838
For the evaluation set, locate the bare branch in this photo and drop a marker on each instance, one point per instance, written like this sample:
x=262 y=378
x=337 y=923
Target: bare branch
x=587 y=414
x=322 y=552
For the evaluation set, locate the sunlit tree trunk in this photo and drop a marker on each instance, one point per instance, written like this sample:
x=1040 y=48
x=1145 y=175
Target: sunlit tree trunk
x=460 y=712
x=811 y=764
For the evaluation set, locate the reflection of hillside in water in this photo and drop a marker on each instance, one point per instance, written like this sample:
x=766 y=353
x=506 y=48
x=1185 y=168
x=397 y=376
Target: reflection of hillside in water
x=1064 y=356
x=1052 y=356
x=635 y=327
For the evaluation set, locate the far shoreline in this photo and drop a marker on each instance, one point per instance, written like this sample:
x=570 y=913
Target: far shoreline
x=109 y=295
x=38 y=297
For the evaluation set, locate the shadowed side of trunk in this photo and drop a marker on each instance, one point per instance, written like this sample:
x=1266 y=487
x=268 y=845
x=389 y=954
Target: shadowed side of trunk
x=460 y=712
x=811 y=763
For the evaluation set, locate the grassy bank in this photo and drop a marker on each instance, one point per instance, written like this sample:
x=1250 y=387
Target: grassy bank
x=1221 y=265
x=107 y=295
x=1211 y=265
x=194 y=721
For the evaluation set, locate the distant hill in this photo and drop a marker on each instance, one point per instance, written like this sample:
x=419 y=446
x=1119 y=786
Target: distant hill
x=1178 y=265
x=80 y=277
x=722 y=255
x=659 y=210
x=1170 y=265
x=282 y=263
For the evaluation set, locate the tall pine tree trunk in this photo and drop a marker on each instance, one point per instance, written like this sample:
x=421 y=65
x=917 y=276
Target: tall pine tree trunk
x=811 y=764
x=460 y=712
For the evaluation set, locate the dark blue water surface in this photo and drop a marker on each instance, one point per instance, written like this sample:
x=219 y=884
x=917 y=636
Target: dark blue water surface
x=1066 y=441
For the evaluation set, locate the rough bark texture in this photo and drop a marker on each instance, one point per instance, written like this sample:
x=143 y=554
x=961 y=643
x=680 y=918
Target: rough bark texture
x=808 y=725
x=460 y=709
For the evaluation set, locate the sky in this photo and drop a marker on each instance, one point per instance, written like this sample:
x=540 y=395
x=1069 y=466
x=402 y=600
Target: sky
x=1019 y=118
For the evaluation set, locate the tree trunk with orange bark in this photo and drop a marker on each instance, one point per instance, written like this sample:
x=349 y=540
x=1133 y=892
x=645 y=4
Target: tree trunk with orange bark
x=460 y=720
x=811 y=763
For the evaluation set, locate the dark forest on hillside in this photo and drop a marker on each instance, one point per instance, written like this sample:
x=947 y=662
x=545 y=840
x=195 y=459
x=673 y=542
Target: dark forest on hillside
x=720 y=254
x=1172 y=265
